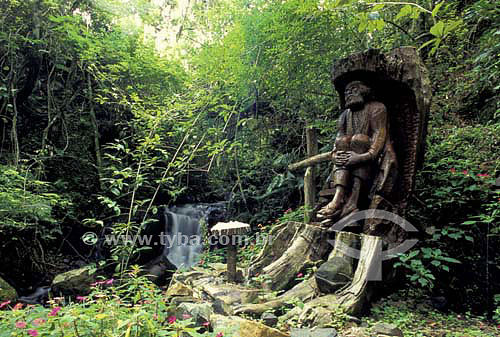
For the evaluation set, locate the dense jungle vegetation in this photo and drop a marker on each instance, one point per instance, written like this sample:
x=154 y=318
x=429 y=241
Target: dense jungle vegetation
x=111 y=109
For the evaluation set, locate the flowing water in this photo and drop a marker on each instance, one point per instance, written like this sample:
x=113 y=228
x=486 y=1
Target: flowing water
x=183 y=228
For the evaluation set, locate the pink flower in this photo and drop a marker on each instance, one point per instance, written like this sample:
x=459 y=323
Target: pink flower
x=81 y=298
x=38 y=321
x=186 y=316
x=300 y=275
x=483 y=175
x=20 y=325
x=465 y=172
x=4 y=304
x=33 y=332
x=220 y=334
x=453 y=170
x=206 y=324
x=109 y=282
x=171 y=319
x=54 y=311
x=155 y=316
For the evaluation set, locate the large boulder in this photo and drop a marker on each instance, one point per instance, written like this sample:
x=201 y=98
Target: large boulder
x=7 y=292
x=296 y=332
x=74 y=282
x=334 y=274
x=198 y=312
x=238 y=327
x=386 y=329
x=178 y=289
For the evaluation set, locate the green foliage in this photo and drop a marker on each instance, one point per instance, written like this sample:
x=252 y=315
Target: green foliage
x=459 y=172
x=460 y=209
x=136 y=307
x=410 y=311
x=119 y=128
x=28 y=204
x=420 y=263
x=496 y=313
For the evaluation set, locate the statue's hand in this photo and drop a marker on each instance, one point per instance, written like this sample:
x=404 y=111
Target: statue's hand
x=342 y=157
x=348 y=158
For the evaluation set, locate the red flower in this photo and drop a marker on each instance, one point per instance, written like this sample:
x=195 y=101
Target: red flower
x=453 y=170
x=33 y=332
x=20 y=325
x=4 y=304
x=483 y=175
x=465 y=172
x=171 y=319
x=54 y=311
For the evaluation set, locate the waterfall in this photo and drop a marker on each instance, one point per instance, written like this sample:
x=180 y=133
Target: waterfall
x=184 y=245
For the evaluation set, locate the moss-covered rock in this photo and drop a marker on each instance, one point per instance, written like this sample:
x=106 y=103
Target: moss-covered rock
x=74 y=282
x=7 y=292
x=238 y=327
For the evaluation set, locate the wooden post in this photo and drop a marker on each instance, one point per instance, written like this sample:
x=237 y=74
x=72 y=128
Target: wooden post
x=232 y=257
x=309 y=177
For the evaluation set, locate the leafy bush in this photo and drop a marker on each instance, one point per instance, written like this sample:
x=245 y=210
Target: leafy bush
x=458 y=209
x=28 y=204
x=136 y=307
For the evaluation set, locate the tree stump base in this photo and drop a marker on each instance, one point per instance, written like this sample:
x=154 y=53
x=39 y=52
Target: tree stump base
x=309 y=245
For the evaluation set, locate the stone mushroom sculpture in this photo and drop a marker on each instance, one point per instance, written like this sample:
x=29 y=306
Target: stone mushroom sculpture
x=228 y=234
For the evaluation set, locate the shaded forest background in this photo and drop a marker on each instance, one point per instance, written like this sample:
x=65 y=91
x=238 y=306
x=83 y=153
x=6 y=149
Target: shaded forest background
x=101 y=124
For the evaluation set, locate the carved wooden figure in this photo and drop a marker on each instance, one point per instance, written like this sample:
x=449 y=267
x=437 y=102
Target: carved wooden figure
x=385 y=101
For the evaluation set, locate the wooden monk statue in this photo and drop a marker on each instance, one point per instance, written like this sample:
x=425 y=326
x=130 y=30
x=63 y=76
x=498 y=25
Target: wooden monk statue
x=385 y=100
x=363 y=142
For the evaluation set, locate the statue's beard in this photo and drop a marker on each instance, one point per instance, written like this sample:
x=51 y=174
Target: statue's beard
x=354 y=102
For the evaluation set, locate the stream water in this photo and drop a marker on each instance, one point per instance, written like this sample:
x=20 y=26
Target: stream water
x=183 y=227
